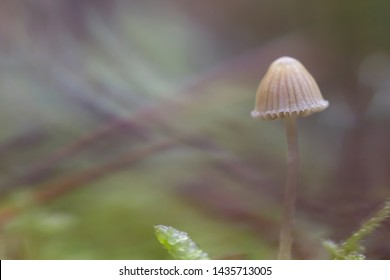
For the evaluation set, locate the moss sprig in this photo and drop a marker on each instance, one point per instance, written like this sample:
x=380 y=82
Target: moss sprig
x=352 y=248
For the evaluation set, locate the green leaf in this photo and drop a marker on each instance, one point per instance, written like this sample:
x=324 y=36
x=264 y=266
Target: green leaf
x=179 y=244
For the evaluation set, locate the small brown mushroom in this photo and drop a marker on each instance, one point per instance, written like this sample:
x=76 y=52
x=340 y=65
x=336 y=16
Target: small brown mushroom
x=288 y=91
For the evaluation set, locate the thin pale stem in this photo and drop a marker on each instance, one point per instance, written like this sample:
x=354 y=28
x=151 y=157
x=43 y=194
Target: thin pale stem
x=285 y=237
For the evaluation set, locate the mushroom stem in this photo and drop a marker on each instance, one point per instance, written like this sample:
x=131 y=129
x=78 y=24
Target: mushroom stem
x=285 y=237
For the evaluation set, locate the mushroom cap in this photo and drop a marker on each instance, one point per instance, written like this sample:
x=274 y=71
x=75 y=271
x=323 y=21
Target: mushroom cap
x=286 y=90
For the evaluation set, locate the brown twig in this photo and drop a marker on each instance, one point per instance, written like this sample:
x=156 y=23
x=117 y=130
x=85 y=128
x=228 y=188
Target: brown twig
x=55 y=189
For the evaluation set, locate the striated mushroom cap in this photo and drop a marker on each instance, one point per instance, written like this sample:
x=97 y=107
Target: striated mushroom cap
x=287 y=90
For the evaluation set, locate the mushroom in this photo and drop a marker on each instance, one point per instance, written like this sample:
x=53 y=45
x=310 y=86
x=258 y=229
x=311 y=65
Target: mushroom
x=288 y=91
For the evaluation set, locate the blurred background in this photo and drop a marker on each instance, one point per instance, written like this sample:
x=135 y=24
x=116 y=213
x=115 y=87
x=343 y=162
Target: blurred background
x=119 y=115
